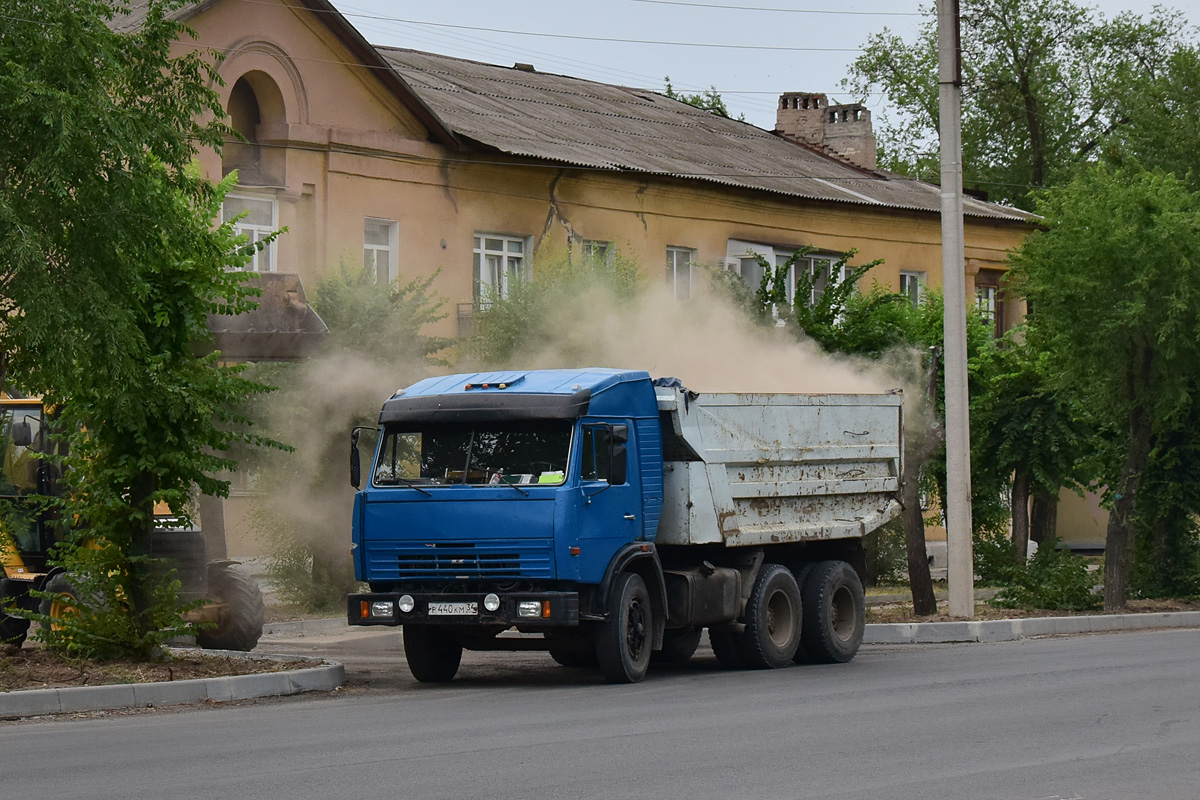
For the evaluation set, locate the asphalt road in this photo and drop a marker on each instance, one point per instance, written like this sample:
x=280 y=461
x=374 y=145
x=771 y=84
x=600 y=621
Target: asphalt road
x=1105 y=717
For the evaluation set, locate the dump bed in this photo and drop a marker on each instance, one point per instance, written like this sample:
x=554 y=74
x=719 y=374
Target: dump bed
x=756 y=469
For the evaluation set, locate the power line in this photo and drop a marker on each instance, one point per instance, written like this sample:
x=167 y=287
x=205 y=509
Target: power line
x=576 y=37
x=784 y=10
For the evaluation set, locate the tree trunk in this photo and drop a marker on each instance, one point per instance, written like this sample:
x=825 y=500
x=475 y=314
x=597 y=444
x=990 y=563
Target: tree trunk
x=1118 y=542
x=1020 y=515
x=141 y=579
x=1043 y=520
x=919 y=580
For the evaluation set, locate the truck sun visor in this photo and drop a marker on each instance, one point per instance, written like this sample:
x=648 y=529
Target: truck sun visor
x=480 y=406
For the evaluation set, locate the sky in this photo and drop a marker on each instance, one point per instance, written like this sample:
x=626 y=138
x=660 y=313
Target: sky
x=766 y=47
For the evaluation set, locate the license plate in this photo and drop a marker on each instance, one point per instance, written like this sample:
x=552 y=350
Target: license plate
x=453 y=609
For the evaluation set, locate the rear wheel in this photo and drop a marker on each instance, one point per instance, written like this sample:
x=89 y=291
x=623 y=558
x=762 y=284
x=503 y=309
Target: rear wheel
x=726 y=643
x=241 y=624
x=834 y=614
x=623 y=640
x=433 y=653
x=772 y=619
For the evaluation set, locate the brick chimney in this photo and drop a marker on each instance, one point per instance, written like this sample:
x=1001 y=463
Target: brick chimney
x=843 y=131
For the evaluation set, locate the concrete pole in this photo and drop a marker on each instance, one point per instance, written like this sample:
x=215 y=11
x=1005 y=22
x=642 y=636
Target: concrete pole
x=961 y=573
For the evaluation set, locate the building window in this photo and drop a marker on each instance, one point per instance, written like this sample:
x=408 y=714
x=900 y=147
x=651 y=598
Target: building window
x=260 y=220
x=679 y=271
x=741 y=256
x=499 y=264
x=824 y=270
x=985 y=302
x=379 y=248
x=596 y=252
x=912 y=286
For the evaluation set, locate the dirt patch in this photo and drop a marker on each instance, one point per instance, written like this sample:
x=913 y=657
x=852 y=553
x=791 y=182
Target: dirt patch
x=902 y=612
x=38 y=668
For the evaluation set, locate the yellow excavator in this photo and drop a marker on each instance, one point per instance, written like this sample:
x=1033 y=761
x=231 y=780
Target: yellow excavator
x=232 y=617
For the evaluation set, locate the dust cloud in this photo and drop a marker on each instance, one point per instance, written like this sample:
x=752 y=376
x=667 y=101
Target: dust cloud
x=707 y=342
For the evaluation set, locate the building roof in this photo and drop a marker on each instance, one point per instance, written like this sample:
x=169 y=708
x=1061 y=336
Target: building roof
x=520 y=112
x=571 y=121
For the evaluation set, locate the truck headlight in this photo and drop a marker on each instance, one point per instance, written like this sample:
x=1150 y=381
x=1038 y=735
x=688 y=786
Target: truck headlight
x=529 y=608
x=381 y=608
x=406 y=603
x=491 y=602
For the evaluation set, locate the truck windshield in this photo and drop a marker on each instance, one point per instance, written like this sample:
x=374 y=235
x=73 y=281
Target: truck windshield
x=482 y=454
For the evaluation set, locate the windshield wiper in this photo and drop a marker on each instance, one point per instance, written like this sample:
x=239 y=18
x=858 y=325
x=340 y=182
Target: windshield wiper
x=411 y=485
x=514 y=486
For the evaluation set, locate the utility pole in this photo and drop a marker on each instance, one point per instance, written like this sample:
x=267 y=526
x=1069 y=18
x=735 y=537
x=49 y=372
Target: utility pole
x=961 y=572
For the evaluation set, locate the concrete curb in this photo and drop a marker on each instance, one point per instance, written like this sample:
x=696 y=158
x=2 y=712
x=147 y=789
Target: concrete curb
x=324 y=676
x=1006 y=630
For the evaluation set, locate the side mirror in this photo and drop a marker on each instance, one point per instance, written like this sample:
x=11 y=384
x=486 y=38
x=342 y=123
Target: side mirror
x=355 y=465
x=618 y=456
x=22 y=434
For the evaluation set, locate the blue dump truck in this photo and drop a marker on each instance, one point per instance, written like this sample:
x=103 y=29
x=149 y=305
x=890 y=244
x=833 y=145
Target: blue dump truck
x=610 y=519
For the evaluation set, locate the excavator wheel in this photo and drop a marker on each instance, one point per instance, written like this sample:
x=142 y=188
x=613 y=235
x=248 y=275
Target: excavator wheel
x=242 y=620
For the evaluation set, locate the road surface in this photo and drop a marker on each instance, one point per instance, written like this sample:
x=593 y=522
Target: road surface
x=1105 y=717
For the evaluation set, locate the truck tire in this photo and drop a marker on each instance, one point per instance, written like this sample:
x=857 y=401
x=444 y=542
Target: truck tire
x=727 y=646
x=834 y=614
x=433 y=653
x=773 y=619
x=241 y=625
x=13 y=630
x=679 y=645
x=573 y=649
x=623 y=640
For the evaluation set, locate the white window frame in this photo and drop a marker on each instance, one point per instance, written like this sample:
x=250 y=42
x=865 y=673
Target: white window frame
x=739 y=252
x=257 y=231
x=598 y=251
x=985 y=301
x=498 y=268
x=912 y=285
x=372 y=250
x=688 y=256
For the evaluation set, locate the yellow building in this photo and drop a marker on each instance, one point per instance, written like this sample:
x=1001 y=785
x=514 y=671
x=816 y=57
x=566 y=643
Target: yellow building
x=415 y=163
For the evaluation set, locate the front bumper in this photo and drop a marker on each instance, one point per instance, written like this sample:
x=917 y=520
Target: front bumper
x=383 y=608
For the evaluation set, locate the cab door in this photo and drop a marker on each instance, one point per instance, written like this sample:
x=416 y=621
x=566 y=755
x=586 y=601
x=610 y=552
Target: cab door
x=610 y=494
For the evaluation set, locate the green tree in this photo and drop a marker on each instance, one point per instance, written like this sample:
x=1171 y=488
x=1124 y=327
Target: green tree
x=709 y=100
x=1043 y=84
x=109 y=265
x=1025 y=433
x=1116 y=306
x=1161 y=118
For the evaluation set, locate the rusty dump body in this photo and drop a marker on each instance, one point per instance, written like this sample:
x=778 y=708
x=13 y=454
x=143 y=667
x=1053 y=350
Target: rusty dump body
x=764 y=469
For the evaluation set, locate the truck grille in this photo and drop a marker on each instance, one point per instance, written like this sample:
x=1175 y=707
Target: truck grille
x=521 y=558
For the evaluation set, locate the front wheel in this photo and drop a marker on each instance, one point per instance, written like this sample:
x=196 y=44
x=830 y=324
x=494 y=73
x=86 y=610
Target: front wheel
x=834 y=614
x=61 y=602
x=623 y=640
x=433 y=653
